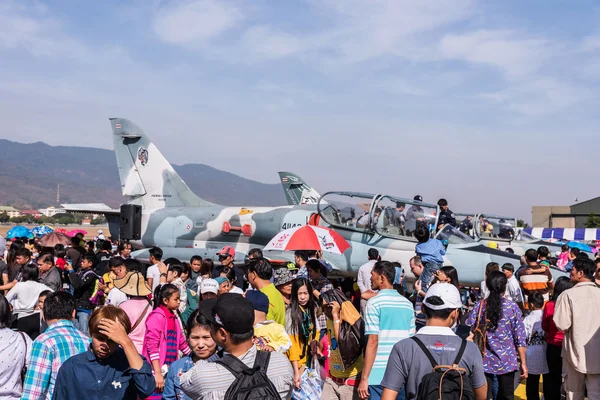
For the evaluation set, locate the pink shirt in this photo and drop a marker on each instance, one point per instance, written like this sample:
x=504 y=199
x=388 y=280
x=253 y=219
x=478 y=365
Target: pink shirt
x=134 y=308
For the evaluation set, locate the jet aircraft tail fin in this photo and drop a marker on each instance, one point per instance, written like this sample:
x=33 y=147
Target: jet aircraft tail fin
x=297 y=191
x=147 y=178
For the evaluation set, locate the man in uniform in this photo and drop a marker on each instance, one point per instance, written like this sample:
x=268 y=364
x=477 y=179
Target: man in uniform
x=446 y=216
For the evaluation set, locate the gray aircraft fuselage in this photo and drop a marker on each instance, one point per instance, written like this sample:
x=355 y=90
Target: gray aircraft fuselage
x=183 y=224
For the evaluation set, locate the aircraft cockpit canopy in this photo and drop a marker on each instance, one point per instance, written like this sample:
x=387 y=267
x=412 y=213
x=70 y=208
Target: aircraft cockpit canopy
x=453 y=236
x=385 y=215
x=495 y=227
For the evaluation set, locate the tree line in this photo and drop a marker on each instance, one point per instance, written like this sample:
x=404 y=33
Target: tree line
x=58 y=219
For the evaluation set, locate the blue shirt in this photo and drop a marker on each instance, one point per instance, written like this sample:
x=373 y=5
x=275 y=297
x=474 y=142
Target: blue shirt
x=85 y=377
x=431 y=251
x=391 y=317
x=172 y=389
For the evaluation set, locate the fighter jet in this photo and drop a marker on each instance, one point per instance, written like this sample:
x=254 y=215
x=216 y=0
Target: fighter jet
x=183 y=224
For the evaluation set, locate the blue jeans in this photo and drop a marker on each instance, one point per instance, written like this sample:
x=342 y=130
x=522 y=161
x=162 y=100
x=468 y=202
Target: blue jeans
x=428 y=272
x=376 y=391
x=81 y=321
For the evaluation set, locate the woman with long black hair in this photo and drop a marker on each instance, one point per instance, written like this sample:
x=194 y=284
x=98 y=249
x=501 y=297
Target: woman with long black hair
x=302 y=326
x=449 y=275
x=502 y=322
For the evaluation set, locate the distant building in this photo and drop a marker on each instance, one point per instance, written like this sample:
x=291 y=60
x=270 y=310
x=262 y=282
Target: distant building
x=86 y=221
x=51 y=211
x=33 y=213
x=10 y=211
x=574 y=216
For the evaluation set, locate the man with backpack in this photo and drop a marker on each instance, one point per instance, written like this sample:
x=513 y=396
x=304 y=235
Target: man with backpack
x=436 y=359
x=244 y=372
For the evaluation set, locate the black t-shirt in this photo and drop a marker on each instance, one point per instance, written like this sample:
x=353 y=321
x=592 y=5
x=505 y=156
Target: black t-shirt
x=101 y=264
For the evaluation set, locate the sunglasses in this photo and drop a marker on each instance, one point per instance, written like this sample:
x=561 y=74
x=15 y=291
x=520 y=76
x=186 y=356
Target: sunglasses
x=222 y=257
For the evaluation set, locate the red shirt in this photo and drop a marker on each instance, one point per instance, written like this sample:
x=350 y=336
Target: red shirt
x=60 y=263
x=553 y=335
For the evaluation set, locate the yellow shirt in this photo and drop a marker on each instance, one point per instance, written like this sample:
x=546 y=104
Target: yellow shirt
x=299 y=352
x=270 y=333
x=336 y=367
x=108 y=281
x=276 y=304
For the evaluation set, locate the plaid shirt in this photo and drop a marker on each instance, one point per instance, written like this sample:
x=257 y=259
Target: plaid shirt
x=49 y=351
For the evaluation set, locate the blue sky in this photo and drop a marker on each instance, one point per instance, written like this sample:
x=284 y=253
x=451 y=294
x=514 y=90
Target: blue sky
x=489 y=104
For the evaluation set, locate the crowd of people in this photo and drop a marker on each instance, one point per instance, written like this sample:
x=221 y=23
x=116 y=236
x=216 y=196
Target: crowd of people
x=88 y=321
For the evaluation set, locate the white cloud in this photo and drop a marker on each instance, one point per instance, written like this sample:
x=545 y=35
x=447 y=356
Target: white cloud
x=508 y=51
x=195 y=22
x=264 y=42
x=28 y=25
x=541 y=96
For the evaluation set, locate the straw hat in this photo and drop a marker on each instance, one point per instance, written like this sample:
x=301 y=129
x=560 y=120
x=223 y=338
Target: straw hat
x=133 y=284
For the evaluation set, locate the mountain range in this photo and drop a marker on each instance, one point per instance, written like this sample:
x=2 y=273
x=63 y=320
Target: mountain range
x=31 y=173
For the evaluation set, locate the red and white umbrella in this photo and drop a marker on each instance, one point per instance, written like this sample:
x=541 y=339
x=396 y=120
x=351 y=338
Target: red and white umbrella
x=309 y=237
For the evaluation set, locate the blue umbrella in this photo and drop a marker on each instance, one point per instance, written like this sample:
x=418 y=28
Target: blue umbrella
x=19 y=231
x=42 y=230
x=580 y=246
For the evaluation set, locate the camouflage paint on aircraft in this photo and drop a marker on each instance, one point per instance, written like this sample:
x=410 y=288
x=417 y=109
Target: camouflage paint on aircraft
x=183 y=224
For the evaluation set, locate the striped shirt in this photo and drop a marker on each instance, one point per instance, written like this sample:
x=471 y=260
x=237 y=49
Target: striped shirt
x=49 y=351
x=532 y=282
x=391 y=317
x=210 y=381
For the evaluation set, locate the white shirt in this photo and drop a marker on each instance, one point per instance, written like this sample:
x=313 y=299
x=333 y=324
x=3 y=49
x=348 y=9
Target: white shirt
x=513 y=291
x=24 y=297
x=12 y=347
x=154 y=273
x=484 y=290
x=364 y=276
x=536 y=345
x=116 y=297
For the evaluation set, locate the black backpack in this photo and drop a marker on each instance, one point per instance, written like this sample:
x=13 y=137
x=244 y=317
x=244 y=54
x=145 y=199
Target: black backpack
x=447 y=382
x=250 y=383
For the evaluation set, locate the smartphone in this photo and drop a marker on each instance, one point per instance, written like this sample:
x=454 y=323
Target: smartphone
x=463 y=331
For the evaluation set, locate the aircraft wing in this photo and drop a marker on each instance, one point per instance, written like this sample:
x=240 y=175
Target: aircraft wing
x=92 y=208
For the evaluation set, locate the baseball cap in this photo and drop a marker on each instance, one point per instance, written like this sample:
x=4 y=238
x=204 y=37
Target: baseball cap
x=259 y=300
x=509 y=267
x=227 y=251
x=445 y=291
x=231 y=311
x=209 y=286
x=418 y=198
x=282 y=276
x=220 y=280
